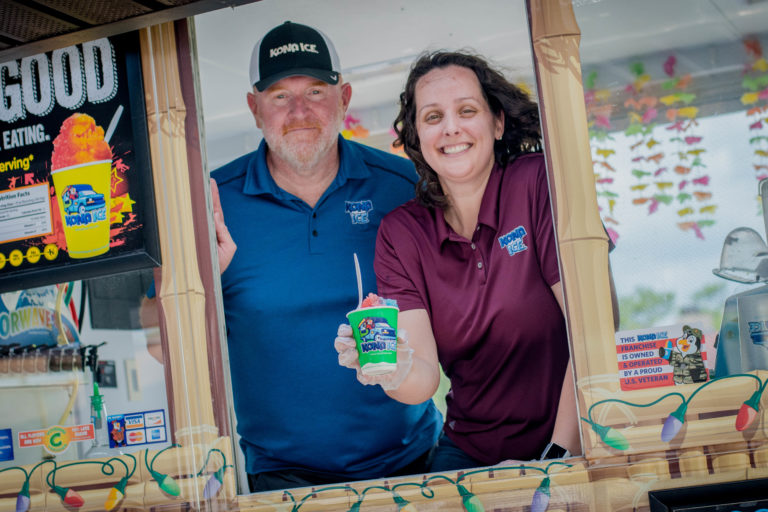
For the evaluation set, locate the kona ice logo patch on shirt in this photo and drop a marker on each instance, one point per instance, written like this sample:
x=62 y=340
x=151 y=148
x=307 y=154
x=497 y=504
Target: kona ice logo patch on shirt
x=358 y=210
x=513 y=241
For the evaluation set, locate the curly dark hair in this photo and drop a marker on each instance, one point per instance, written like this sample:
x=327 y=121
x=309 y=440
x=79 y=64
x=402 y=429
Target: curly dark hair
x=522 y=133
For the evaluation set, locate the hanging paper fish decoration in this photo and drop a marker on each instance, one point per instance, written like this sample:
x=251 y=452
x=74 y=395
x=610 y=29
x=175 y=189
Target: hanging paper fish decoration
x=752 y=45
x=648 y=101
x=638 y=158
x=681 y=169
x=663 y=198
x=755 y=83
x=669 y=99
x=633 y=129
x=607 y=166
x=634 y=117
x=760 y=65
x=702 y=196
x=602 y=94
x=651 y=143
x=690 y=140
x=682 y=184
x=640 y=200
x=760 y=166
x=757 y=110
x=600 y=135
x=607 y=193
x=697 y=162
x=605 y=153
x=706 y=223
x=676 y=139
x=611 y=220
x=603 y=122
x=637 y=173
x=689 y=112
x=589 y=83
x=638 y=187
x=661 y=185
x=708 y=209
x=704 y=180
x=696 y=152
x=683 y=197
x=762 y=176
x=678 y=126
x=649 y=115
x=749 y=98
x=632 y=102
x=659 y=171
x=761 y=152
x=641 y=81
x=655 y=158
x=669 y=84
x=636 y=144
x=602 y=181
x=684 y=81
x=684 y=212
x=611 y=204
x=685 y=226
x=653 y=206
x=669 y=65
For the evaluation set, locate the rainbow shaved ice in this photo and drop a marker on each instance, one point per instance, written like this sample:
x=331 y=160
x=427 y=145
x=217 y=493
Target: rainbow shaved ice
x=80 y=141
x=374 y=301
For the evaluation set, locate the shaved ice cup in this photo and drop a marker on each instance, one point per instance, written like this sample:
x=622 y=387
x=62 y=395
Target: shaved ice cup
x=375 y=332
x=83 y=195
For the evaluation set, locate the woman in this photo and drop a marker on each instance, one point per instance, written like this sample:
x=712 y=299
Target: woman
x=473 y=265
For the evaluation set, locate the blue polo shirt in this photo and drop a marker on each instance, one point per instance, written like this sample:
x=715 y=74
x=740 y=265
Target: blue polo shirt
x=289 y=286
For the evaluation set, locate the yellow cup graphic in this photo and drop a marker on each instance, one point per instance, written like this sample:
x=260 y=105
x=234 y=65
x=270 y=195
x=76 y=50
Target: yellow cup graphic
x=83 y=195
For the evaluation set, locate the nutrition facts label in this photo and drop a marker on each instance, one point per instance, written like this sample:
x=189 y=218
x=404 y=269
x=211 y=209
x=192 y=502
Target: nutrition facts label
x=25 y=212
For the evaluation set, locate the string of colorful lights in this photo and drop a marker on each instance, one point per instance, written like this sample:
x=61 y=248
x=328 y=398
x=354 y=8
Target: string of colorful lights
x=674 y=422
x=74 y=500
x=469 y=501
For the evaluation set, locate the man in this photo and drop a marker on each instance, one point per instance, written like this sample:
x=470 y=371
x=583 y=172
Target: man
x=297 y=209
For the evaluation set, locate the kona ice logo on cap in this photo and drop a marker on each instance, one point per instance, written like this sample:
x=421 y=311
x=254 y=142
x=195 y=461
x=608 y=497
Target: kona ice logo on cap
x=513 y=241
x=293 y=47
x=82 y=205
x=358 y=210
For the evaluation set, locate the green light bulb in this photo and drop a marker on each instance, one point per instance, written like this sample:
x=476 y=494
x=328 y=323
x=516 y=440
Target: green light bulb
x=611 y=436
x=471 y=502
x=167 y=484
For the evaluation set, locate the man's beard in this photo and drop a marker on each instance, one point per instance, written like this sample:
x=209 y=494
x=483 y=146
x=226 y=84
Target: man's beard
x=305 y=155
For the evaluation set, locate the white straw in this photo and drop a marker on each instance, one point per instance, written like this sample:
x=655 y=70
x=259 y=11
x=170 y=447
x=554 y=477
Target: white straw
x=113 y=123
x=359 y=281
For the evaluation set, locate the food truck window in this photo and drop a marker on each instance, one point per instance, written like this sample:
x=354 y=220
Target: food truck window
x=376 y=45
x=676 y=102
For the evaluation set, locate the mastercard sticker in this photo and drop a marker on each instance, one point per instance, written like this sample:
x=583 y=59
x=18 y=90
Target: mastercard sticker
x=135 y=437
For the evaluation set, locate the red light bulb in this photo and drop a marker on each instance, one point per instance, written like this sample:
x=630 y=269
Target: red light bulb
x=69 y=496
x=748 y=411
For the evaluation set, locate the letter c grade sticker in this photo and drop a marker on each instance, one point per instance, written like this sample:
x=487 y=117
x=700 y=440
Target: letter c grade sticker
x=56 y=440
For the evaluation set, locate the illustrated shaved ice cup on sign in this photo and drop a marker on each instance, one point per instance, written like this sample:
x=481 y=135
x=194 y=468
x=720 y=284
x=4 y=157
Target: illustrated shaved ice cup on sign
x=82 y=169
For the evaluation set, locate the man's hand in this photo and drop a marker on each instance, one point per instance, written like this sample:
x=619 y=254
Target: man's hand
x=348 y=357
x=225 y=246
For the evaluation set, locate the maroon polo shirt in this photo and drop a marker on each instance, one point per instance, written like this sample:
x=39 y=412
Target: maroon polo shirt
x=500 y=334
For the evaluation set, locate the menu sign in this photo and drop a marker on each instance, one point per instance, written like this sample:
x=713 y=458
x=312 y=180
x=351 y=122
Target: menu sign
x=76 y=196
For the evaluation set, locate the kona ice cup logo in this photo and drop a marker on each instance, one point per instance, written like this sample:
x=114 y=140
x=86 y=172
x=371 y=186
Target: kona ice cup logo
x=82 y=167
x=375 y=333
